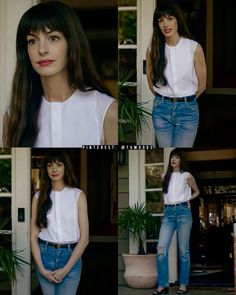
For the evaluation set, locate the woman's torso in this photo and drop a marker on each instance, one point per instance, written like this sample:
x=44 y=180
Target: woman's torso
x=178 y=190
x=62 y=218
x=179 y=71
x=75 y=122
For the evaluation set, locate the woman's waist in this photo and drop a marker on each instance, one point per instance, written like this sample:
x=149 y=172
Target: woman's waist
x=58 y=245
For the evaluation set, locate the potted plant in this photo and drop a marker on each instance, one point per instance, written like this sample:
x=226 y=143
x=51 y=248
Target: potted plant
x=131 y=113
x=140 y=268
x=10 y=261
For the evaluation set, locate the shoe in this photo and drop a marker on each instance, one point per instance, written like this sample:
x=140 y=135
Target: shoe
x=163 y=291
x=179 y=291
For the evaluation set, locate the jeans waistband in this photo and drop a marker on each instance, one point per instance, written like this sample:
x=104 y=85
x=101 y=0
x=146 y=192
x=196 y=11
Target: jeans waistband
x=177 y=204
x=57 y=246
x=178 y=99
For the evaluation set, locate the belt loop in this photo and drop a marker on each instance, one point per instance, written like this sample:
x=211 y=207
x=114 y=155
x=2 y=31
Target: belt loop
x=46 y=245
x=185 y=99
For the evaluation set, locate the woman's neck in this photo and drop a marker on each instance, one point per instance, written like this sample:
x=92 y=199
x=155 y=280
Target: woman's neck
x=176 y=169
x=56 y=88
x=58 y=185
x=173 y=40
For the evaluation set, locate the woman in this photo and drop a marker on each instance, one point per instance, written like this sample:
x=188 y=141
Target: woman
x=57 y=99
x=59 y=226
x=176 y=75
x=179 y=188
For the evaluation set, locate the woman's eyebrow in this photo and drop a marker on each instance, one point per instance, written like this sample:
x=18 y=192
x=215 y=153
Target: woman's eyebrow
x=47 y=33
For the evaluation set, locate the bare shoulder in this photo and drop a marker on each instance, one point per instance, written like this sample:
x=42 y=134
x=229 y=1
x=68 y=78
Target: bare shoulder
x=111 y=124
x=82 y=198
x=112 y=112
x=198 y=51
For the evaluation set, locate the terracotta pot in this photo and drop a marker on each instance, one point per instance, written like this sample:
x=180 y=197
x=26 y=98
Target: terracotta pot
x=140 y=270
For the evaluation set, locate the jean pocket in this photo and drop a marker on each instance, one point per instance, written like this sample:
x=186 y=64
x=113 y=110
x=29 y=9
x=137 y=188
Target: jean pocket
x=193 y=105
x=42 y=248
x=157 y=101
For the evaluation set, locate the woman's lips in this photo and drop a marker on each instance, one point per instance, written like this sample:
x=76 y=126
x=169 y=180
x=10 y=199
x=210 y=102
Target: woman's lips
x=55 y=175
x=167 y=31
x=46 y=62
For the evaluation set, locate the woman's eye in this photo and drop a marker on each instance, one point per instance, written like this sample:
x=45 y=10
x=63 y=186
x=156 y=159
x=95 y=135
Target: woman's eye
x=54 y=38
x=31 y=41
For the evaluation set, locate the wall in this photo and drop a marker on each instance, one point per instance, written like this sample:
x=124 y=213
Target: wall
x=123 y=197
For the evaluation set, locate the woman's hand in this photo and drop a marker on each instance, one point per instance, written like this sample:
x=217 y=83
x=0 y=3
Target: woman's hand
x=59 y=274
x=51 y=276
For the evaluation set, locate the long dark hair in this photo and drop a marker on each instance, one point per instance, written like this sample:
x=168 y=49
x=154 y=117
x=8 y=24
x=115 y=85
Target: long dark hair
x=26 y=97
x=44 y=200
x=158 y=60
x=183 y=167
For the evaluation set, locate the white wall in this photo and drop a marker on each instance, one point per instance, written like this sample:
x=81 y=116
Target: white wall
x=10 y=14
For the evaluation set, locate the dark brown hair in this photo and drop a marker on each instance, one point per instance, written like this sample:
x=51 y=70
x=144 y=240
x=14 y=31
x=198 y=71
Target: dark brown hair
x=158 y=59
x=21 y=127
x=183 y=167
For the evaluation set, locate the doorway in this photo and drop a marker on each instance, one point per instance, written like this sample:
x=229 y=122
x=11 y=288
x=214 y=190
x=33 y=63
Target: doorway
x=211 y=242
x=97 y=176
x=15 y=212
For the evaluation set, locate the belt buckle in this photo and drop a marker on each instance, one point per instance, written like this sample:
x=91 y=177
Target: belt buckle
x=58 y=246
x=174 y=99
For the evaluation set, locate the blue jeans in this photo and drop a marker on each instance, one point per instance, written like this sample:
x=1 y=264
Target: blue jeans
x=53 y=259
x=175 y=123
x=175 y=218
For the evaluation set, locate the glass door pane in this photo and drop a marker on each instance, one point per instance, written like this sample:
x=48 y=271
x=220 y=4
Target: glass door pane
x=5 y=213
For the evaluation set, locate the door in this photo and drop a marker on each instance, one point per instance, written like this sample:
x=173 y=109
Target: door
x=15 y=206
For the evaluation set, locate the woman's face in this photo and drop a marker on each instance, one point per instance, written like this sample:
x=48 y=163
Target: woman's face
x=48 y=53
x=56 y=171
x=168 y=25
x=175 y=162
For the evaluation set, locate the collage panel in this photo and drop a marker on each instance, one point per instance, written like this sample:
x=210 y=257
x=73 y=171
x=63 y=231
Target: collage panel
x=197 y=201
x=181 y=92
x=59 y=77
x=44 y=220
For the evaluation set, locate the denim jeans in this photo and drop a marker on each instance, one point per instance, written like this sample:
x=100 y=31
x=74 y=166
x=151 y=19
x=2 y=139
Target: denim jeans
x=175 y=123
x=53 y=259
x=175 y=218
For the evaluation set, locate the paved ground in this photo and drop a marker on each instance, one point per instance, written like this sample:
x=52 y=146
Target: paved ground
x=192 y=291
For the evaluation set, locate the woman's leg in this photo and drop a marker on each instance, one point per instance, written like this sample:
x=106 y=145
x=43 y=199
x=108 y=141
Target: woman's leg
x=167 y=230
x=186 y=118
x=162 y=121
x=48 y=256
x=184 y=224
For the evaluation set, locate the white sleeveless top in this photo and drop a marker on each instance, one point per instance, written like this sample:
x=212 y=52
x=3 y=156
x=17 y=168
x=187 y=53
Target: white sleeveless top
x=178 y=190
x=75 y=122
x=63 y=224
x=180 y=71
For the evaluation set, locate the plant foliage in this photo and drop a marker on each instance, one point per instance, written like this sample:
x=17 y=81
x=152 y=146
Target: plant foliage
x=131 y=112
x=137 y=220
x=10 y=261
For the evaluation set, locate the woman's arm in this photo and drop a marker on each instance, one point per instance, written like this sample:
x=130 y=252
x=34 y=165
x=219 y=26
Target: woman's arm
x=111 y=124
x=200 y=68
x=192 y=183
x=149 y=70
x=34 y=243
x=84 y=238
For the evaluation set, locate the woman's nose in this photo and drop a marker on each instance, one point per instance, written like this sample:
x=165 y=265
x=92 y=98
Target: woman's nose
x=54 y=167
x=165 y=22
x=43 y=47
